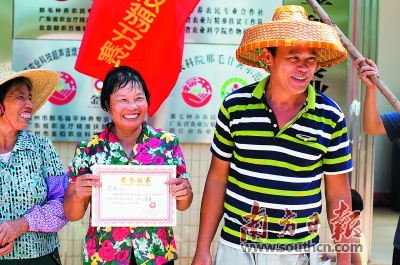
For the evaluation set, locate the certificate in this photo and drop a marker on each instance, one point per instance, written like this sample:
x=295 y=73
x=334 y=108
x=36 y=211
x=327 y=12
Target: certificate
x=133 y=196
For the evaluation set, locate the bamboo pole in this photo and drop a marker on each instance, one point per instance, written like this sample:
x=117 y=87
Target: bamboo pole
x=355 y=54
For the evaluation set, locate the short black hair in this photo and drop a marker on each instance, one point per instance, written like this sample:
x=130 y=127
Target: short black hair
x=272 y=50
x=356 y=201
x=10 y=84
x=118 y=78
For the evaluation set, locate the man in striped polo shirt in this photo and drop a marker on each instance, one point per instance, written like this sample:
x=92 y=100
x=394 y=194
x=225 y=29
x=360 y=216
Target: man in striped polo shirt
x=273 y=142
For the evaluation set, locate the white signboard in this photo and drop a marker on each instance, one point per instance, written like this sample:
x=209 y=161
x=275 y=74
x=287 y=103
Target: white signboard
x=224 y=21
x=50 y=19
x=73 y=112
x=209 y=73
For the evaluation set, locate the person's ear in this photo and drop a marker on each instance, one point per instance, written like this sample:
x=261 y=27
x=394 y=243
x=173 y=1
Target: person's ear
x=107 y=103
x=268 y=57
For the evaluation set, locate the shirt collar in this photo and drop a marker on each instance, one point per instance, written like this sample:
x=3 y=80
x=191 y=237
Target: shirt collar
x=24 y=142
x=311 y=98
x=311 y=95
x=111 y=138
x=260 y=88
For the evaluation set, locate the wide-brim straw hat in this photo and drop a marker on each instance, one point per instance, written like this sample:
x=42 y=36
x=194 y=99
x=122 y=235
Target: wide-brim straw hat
x=290 y=27
x=44 y=83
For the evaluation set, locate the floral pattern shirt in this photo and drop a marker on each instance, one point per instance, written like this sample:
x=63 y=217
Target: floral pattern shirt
x=113 y=245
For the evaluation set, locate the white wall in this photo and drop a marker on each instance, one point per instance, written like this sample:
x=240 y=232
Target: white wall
x=388 y=61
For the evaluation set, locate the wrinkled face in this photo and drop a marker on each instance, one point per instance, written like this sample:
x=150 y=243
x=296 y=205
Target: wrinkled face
x=18 y=106
x=292 y=68
x=128 y=107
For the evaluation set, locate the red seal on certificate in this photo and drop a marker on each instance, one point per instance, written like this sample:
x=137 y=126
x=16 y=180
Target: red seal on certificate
x=152 y=205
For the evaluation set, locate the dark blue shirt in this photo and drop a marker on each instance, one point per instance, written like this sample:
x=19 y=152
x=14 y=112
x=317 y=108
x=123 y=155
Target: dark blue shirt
x=391 y=121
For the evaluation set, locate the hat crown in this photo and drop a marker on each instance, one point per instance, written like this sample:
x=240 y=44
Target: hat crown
x=290 y=13
x=5 y=72
x=290 y=27
x=43 y=83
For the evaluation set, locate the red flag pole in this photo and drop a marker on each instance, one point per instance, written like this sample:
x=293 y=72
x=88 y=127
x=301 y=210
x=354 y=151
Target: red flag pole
x=355 y=54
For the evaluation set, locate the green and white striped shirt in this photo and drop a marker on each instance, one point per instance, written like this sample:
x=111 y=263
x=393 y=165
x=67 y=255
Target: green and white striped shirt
x=277 y=168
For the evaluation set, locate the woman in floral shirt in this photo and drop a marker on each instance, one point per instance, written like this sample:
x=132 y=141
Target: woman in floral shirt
x=127 y=140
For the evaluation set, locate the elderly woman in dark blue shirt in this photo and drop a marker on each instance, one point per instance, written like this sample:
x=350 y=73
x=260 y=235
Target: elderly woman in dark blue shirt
x=32 y=179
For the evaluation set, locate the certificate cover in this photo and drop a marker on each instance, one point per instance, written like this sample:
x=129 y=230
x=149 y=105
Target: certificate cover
x=133 y=196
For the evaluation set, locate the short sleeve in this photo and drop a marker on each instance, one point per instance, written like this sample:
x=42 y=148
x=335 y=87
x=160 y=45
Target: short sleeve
x=179 y=161
x=391 y=121
x=222 y=145
x=52 y=165
x=80 y=163
x=337 y=160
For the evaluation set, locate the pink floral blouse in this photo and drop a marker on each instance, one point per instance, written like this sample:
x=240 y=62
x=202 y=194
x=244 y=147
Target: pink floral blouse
x=113 y=245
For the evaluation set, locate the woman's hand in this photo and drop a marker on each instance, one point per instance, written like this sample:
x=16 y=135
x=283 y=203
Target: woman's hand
x=367 y=70
x=328 y=256
x=77 y=196
x=84 y=184
x=6 y=249
x=11 y=230
x=181 y=189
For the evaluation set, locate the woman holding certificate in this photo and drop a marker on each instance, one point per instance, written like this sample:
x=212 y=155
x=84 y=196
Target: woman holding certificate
x=127 y=140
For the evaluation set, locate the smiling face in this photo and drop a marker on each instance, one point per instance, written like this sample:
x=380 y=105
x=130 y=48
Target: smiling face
x=18 y=107
x=128 y=108
x=292 y=69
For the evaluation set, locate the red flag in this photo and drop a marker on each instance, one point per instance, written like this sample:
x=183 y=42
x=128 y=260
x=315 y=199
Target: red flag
x=146 y=35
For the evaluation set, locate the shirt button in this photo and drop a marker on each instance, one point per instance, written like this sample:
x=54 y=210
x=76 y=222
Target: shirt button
x=275 y=125
x=270 y=110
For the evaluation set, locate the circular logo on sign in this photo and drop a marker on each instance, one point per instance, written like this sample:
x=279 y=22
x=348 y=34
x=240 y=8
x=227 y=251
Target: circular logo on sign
x=196 y=92
x=65 y=91
x=98 y=85
x=231 y=85
x=152 y=205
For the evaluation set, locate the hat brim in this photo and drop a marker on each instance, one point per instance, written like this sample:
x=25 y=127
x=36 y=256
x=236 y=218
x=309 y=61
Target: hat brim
x=44 y=83
x=311 y=34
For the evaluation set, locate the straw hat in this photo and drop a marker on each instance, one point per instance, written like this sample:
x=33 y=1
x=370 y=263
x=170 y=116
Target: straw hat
x=44 y=82
x=290 y=27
